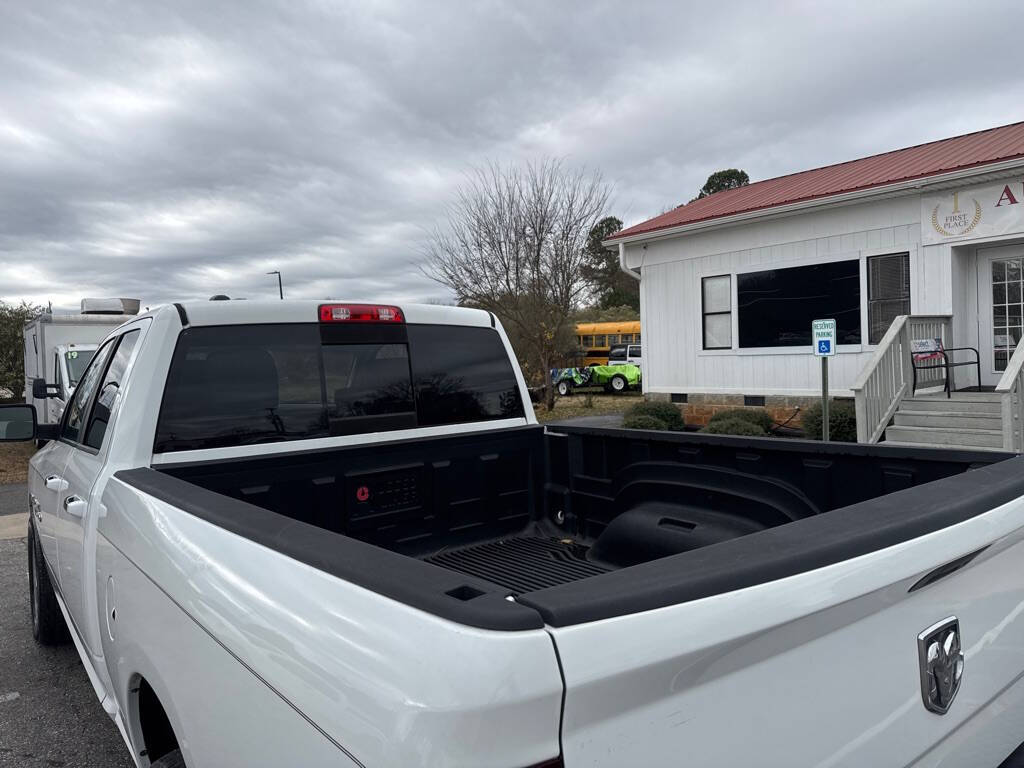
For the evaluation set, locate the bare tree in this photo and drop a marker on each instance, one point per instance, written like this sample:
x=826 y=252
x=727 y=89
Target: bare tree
x=514 y=243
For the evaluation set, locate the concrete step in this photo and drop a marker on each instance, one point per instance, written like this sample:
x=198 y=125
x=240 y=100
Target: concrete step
x=958 y=403
x=948 y=419
x=986 y=438
x=901 y=444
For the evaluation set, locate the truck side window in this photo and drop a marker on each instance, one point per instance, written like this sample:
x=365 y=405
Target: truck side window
x=103 y=410
x=462 y=374
x=74 y=417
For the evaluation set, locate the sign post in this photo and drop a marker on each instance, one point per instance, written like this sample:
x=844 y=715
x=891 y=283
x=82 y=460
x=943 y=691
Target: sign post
x=823 y=339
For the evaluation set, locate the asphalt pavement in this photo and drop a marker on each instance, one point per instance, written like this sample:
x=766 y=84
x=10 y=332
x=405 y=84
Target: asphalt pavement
x=49 y=715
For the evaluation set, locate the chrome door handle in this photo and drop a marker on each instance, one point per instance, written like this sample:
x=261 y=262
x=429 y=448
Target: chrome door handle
x=75 y=506
x=56 y=483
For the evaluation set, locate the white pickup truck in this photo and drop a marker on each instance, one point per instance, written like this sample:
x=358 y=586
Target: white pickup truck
x=302 y=534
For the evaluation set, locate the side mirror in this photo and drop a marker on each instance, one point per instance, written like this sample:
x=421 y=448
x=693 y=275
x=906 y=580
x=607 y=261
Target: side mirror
x=17 y=423
x=41 y=390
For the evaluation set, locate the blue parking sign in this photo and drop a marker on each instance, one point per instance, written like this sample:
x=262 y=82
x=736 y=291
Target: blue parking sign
x=824 y=346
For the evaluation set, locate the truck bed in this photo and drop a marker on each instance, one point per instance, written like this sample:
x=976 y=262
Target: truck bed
x=581 y=522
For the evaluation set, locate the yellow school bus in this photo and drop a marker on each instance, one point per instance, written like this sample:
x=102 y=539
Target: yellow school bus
x=595 y=339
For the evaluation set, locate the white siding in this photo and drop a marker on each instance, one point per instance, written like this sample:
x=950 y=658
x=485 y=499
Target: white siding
x=674 y=360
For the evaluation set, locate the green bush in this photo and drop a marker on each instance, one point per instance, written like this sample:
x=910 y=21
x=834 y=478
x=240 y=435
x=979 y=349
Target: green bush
x=643 y=421
x=842 y=421
x=757 y=416
x=734 y=426
x=666 y=413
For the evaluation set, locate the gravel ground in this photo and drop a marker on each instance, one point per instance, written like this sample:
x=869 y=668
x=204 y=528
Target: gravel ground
x=49 y=714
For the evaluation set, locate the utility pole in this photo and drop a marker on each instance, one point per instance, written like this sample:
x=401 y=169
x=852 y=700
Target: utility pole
x=280 y=288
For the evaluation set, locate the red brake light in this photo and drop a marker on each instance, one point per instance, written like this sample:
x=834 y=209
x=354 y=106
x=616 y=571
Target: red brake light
x=360 y=313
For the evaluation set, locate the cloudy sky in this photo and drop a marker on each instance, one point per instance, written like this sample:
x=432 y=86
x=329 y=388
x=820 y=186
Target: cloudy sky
x=172 y=150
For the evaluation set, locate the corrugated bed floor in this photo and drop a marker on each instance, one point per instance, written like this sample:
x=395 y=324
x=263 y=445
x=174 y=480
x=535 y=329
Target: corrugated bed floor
x=521 y=564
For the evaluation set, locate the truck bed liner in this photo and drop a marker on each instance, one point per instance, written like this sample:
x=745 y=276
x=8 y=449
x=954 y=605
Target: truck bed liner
x=522 y=563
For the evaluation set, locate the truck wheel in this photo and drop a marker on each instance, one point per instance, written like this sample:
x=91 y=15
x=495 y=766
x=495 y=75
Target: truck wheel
x=564 y=388
x=619 y=384
x=170 y=760
x=48 y=627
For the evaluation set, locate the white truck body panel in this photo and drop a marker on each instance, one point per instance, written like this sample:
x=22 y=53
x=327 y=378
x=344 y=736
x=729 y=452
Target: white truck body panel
x=818 y=669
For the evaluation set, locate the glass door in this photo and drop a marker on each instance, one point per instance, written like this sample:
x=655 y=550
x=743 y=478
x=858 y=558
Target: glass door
x=1007 y=281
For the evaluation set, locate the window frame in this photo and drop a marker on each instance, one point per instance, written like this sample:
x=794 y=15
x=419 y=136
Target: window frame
x=117 y=401
x=705 y=314
x=112 y=342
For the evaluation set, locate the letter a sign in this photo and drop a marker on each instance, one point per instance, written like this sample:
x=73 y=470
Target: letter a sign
x=823 y=336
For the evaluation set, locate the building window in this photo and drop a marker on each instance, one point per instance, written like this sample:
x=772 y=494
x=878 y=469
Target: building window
x=776 y=307
x=888 y=292
x=717 y=309
x=678 y=397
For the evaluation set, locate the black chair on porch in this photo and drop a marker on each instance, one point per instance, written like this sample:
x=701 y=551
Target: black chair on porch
x=930 y=355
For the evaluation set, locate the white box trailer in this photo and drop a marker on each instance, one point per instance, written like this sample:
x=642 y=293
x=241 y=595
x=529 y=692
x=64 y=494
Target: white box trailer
x=59 y=346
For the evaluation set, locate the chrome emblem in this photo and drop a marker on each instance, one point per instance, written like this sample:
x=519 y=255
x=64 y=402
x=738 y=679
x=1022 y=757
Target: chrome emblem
x=942 y=664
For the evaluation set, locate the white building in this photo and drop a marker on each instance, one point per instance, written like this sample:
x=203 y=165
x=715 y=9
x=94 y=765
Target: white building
x=729 y=284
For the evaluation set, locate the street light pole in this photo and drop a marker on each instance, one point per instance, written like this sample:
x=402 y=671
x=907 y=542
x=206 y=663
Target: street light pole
x=280 y=288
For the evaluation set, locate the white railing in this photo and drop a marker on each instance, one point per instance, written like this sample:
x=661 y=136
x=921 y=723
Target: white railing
x=888 y=376
x=1011 y=387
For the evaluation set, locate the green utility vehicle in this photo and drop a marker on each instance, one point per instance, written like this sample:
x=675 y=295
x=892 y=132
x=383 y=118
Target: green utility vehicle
x=614 y=378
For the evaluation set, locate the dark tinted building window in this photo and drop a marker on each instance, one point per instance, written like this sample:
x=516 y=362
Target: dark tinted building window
x=776 y=306
x=462 y=374
x=888 y=292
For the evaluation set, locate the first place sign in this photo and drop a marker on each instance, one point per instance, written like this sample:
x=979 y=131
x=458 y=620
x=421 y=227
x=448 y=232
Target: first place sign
x=823 y=337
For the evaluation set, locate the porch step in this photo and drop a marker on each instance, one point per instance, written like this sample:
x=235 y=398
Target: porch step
x=967 y=402
x=948 y=419
x=944 y=436
x=901 y=444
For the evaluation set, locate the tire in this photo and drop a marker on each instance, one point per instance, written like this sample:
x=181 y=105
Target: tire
x=564 y=388
x=618 y=384
x=170 y=760
x=48 y=626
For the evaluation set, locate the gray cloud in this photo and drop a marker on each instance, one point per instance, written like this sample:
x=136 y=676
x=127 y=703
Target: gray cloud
x=179 y=150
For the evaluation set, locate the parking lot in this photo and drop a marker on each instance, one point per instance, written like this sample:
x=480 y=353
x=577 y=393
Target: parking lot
x=49 y=715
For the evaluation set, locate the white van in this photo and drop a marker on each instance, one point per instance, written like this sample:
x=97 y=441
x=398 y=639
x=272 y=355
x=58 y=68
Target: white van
x=625 y=354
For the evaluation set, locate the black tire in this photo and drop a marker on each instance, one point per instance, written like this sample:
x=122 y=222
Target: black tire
x=564 y=388
x=618 y=384
x=48 y=626
x=171 y=760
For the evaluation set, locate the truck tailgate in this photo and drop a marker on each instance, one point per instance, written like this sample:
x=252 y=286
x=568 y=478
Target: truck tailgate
x=820 y=668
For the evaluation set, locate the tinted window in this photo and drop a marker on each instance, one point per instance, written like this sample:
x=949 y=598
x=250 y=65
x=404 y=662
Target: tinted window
x=77 y=409
x=617 y=353
x=776 y=307
x=462 y=374
x=103 y=409
x=237 y=385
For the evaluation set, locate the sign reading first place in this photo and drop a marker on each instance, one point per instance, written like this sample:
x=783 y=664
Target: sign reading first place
x=823 y=337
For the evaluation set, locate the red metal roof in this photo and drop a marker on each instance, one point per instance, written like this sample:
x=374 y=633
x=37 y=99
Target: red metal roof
x=972 y=149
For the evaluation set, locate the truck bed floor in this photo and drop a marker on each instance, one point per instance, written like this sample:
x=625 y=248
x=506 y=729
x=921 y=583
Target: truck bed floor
x=523 y=563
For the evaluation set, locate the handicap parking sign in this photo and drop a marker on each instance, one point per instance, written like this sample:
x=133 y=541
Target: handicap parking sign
x=823 y=333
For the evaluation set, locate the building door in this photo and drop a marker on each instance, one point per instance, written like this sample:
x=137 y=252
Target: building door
x=1000 y=308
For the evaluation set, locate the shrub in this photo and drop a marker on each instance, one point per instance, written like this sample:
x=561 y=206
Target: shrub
x=734 y=426
x=757 y=416
x=842 y=421
x=643 y=421
x=666 y=413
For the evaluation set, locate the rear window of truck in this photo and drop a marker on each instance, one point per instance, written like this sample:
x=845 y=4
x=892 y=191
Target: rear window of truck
x=249 y=384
